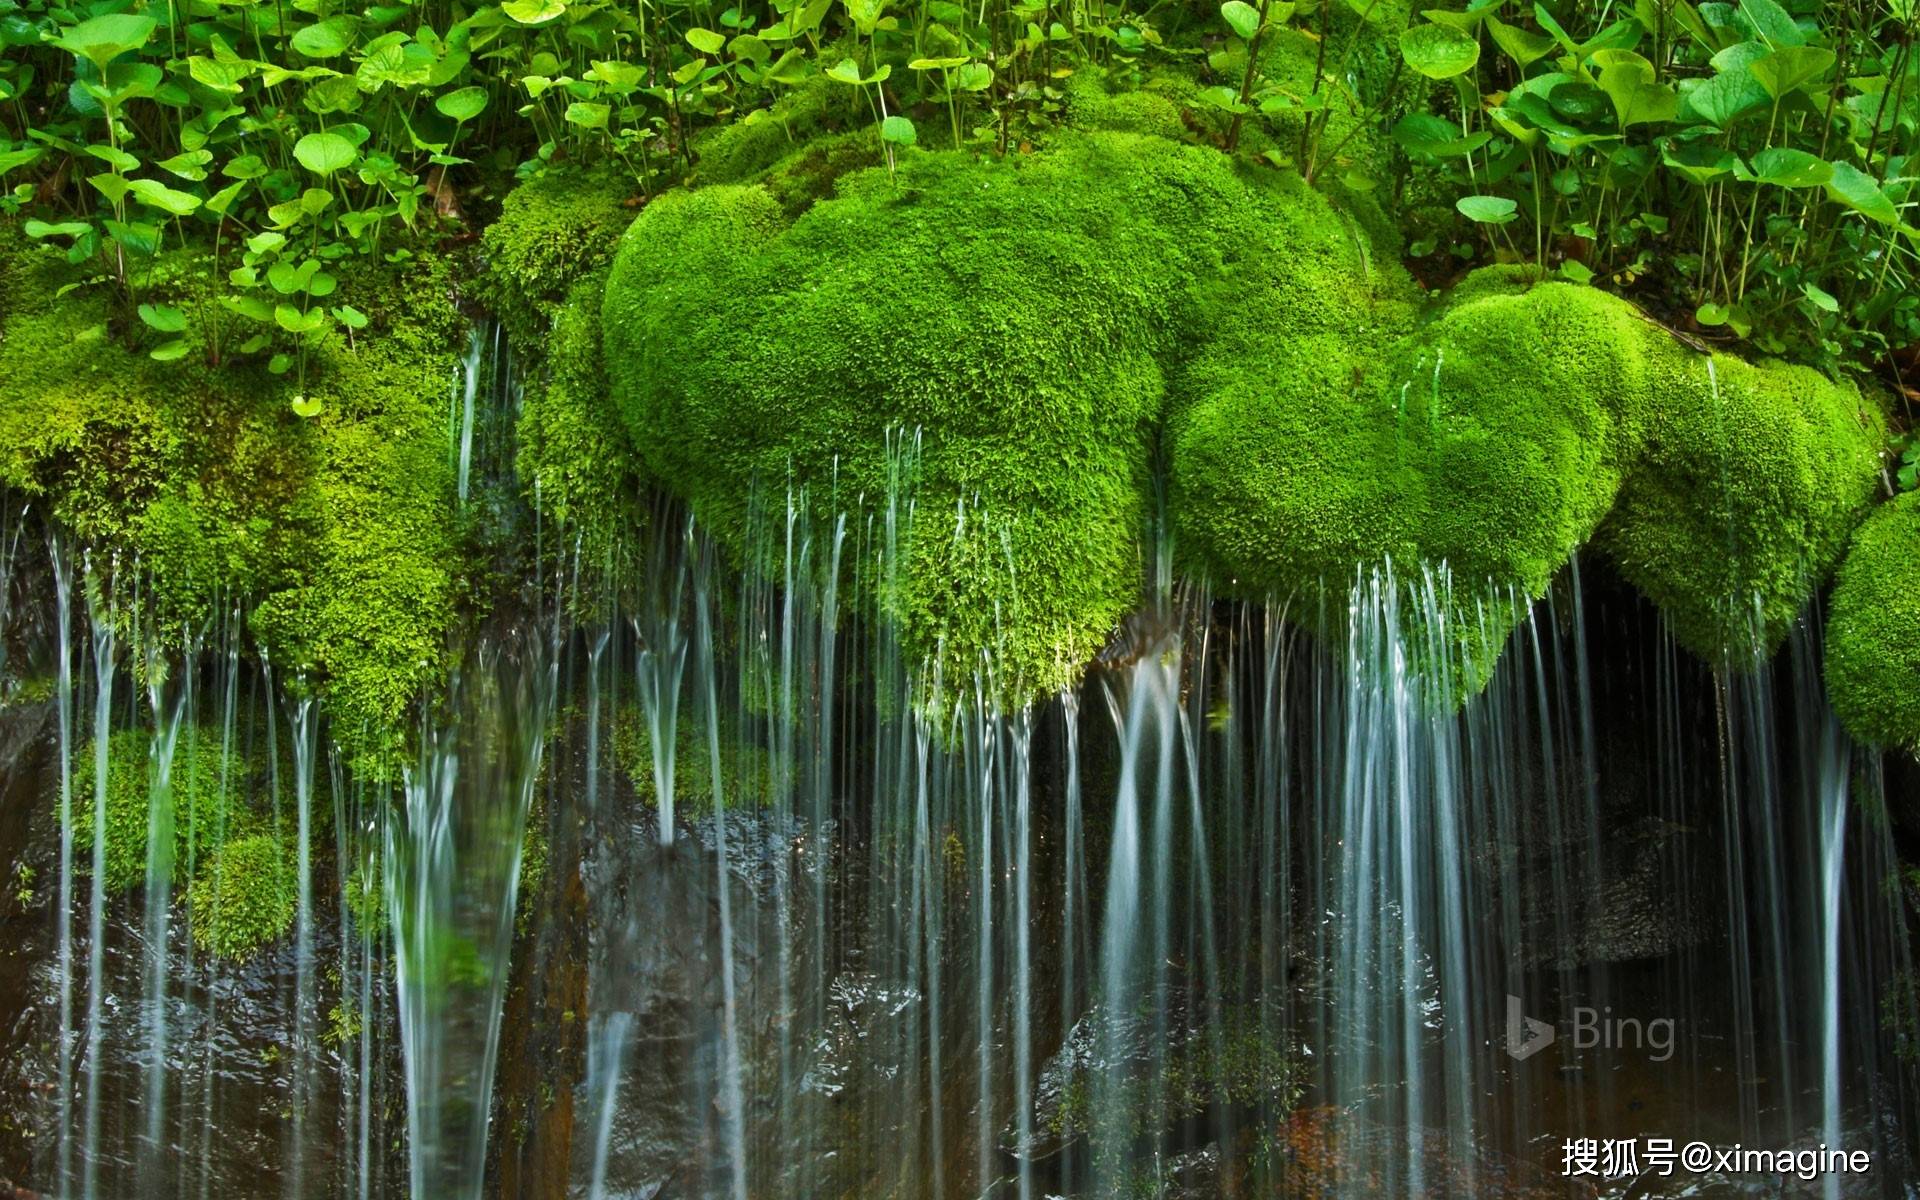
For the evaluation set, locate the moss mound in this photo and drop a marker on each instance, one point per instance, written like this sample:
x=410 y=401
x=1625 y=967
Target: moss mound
x=1312 y=422
x=1873 y=629
x=340 y=526
x=980 y=311
x=243 y=899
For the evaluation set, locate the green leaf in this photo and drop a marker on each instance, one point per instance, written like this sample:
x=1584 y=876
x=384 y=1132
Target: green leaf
x=1821 y=298
x=1856 y=189
x=845 y=71
x=1728 y=96
x=533 y=12
x=220 y=76
x=1711 y=314
x=1783 y=166
x=306 y=407
x=325 y=153
x=1628 y=81
x=1242 y=18
x=1439 y=51
x=1488 y=210
x=351 y=317
x=1701 y=162
x=898 y=130
x=588 y=115
x=973 y=77
x=706 y=41
x=163 y=317
x=1788 y=68
x=191 y=165
x=1576 y=271
x=1518 y=44
x=1436 y=137
x=38 y=229
x=328 y=39
x=168 y=351
x=462 y=105
x=103 y=39
x=1772 y=22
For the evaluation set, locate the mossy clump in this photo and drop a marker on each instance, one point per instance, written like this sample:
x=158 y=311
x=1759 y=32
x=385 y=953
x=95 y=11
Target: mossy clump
x=207 y=803
x=1873 y=629
x=555 y=229
x=244 y=898
x=964 y=335
x=201 y=478
x=1522 y=422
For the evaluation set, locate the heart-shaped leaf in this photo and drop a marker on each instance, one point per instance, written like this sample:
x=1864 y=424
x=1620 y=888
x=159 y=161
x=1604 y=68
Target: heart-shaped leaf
x=163 y=317
x=1522 y=46
x=1783 y=166
x=533 y=12
x=327 y=39
x=1854 y=188
x=462 y=105
x=1790 y=67
x=306 y=407
x=898 y=130
x=103 y=39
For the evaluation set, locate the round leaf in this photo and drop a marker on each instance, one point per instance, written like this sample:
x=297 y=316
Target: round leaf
x=1488 y=210
x=325 y=153
x=327 y=39
x=898 y=130
x=1439 y=51
x=462 y=105
x=1242 y=18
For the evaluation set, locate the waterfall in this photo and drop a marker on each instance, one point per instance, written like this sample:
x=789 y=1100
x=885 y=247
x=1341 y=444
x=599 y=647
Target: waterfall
x=1241 y=911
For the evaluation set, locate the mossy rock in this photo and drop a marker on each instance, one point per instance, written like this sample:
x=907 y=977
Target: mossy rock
x=207 y=803
x=243 y=898
x=1873 y=629
x=747 y=778
x=340 y=527
x=554 y=230
x=1521 y=423
x=969 y=326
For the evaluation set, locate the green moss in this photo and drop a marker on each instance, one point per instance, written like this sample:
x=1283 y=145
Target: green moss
x=243 y=898
x=1518 y=425
x=746 y=769
x=983 y=305
x=554 y=230
x=364 y=895
x=1873 y=629
x=206 y=803
x=339 y=526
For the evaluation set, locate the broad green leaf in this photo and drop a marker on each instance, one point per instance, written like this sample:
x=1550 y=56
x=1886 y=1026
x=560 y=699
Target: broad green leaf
x=706 y=41
x=1436 y=137
x=222 y=201
x=1772 y=22
x=898 y=130
x=973 y=77
x=587 y=115
x=1701 y=162
x=191 y=165
x=533 y=12
x=935 y=64
x=246 y=166
x=1783 y=166
x=253 y=308
x=113 y=187
x=462 y=105
x=168 y=351
x=1821 y=298
x=1854 y=188
x=1488 y=210
x=327 y=39
x=13 y=160
x=325 y=153
x=845 y=71
x=1242 y=18
x=115 y=157
x=163 y=317
x=306 y=407
x=1727 y=96
x=1628 y=81
x=220 y=76
x=1439 y=51
x=103 y=39
x=351 y=317
x=38 y=229
x=1791 y=66
x=1520 y=45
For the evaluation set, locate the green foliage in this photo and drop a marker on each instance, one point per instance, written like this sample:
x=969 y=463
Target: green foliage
x=243 y=898
x=1743 y=164
x=205 y=804
x=554 y=231
x=746 y=769
x=1873 y=629
x=337 y=525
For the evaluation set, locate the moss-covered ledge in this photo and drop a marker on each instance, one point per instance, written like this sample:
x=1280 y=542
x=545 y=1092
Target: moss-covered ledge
x=1051 y=323
x=338 y=528
x=1873 y=629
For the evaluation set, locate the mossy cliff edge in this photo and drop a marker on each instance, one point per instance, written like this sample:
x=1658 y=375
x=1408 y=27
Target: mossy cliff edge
x=1050 y=323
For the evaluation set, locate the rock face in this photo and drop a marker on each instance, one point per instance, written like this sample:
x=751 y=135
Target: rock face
x=1019 y=344
x=1873 y=635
